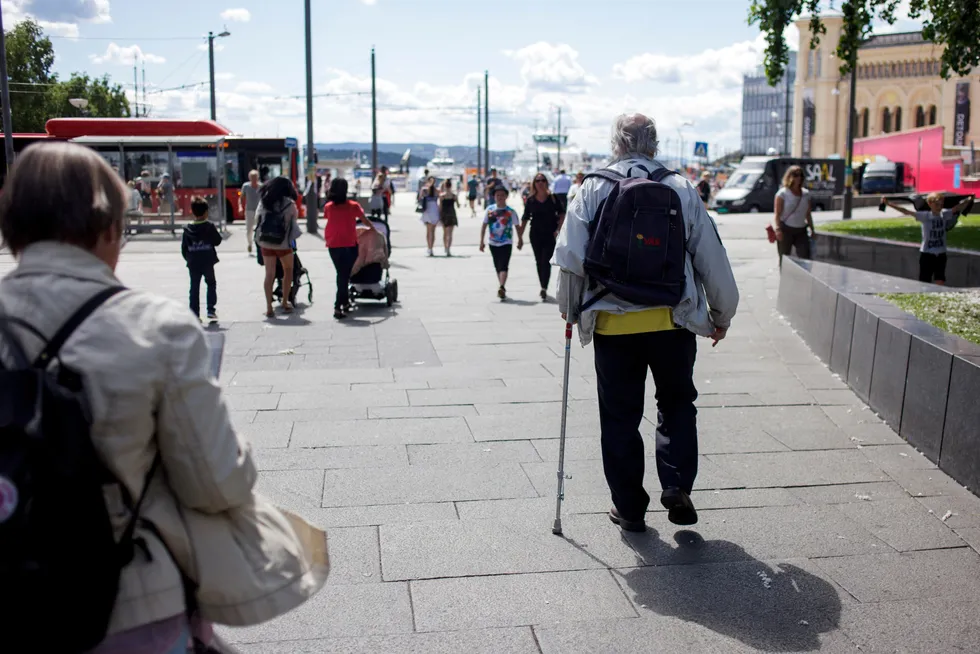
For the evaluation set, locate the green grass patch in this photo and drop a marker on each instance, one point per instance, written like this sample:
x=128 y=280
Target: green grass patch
x=956 y=313
x=965 y=236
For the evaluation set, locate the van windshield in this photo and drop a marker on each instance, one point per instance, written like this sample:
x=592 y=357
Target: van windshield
x=743 y=179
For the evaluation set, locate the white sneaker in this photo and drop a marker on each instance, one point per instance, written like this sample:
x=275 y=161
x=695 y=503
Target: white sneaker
x=429 y=252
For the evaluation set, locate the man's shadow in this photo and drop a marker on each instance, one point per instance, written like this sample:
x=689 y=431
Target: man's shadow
x=718 y=585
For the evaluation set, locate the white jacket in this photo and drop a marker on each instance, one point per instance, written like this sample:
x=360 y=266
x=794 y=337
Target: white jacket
x=146 y=366
x=710 y=294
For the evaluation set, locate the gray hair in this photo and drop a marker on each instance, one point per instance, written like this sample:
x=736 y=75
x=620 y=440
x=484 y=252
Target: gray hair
x=634 y=134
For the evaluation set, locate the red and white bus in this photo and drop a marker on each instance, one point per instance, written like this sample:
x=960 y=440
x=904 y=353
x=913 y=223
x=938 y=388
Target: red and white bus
x=191 y=152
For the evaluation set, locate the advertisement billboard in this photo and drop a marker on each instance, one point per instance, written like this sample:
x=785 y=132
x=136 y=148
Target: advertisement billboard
x=961 y=115
x=809 y=121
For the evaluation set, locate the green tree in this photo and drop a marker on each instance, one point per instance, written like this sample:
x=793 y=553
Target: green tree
x=952 y=23
x=37 y=94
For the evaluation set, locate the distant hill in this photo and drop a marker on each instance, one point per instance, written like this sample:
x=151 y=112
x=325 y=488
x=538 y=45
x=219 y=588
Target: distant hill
x=421 y=152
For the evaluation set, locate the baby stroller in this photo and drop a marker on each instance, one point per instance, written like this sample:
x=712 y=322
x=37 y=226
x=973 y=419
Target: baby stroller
x=299 y=275
x=370 y=279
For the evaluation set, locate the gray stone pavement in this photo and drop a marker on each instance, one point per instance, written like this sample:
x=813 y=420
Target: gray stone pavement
x=423 y=438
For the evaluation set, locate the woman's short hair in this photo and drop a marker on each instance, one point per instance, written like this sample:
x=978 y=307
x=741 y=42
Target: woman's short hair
x=792 y=172
x=61 y=192
x=338 y=191
x=276 y=190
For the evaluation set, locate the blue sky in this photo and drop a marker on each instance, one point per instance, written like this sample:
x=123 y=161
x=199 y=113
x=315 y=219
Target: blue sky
x=680 y=62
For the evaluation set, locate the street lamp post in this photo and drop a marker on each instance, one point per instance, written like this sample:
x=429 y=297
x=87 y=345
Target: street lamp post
x=848 y=170
x=312 y=203
x=211 y=37
x=8 y=131
x=680 y=133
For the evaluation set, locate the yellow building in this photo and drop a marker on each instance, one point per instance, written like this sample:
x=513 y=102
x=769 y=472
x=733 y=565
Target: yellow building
x=898 y=89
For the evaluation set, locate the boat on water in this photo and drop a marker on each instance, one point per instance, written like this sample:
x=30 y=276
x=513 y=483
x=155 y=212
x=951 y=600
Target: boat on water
x=542 y=156
x=444 y=167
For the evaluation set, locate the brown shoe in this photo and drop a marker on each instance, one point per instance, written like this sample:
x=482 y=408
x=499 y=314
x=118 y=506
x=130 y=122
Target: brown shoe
x=626 y=525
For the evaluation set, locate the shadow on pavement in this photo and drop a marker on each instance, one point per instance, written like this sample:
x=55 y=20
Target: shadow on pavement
x=717 y=585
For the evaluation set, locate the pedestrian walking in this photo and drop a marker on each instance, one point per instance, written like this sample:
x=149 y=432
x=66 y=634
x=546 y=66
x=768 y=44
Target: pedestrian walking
x=423 y=180
x=704 y=187
x=792 y=216
x=561 y=186
x=502 y=222
x=197 y=246
x=643 y=272
x=448 y=202
x=576 y=186
x=340 y=237
x=490 y=187
x=276 y=230
x=936 y=224
x=154 y=487
x=248 y=204
x=429 y=204
x=165 y=195
x=543 y=210
x=472 y=189
x=388 y=191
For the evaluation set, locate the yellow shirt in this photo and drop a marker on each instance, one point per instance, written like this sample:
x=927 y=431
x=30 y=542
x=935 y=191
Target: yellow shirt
x=635 y=322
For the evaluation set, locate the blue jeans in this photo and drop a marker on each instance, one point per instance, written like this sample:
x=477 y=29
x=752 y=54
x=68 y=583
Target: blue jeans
x=621 y=364
x=207 y=272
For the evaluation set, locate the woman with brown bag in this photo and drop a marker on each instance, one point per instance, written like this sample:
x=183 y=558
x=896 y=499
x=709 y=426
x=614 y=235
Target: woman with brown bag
x=793 y=217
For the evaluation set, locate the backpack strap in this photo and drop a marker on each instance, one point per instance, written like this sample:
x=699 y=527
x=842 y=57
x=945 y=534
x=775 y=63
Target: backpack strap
x=51 y=350
x=607 y=174
x=660 y=174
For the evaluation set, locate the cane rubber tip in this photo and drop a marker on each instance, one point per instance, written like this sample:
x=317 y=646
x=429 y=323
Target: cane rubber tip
x=556 y=532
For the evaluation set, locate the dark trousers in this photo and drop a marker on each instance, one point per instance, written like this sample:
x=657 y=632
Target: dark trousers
x=932 y=266
x=621 y=364
x=794 y=237
x=562 y=201
x=544 y=248
x=343 y=261
x=207 y=272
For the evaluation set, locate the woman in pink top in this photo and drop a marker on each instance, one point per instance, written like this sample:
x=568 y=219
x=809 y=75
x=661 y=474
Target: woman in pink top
x=340 y=236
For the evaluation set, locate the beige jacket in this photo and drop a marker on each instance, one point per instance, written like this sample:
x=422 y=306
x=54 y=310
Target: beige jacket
x=146 y=367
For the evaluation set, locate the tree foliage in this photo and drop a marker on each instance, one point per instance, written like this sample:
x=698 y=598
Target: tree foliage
x=37 y=94
x=952 y=23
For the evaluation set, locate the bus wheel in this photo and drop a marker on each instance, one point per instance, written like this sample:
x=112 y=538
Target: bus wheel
x=754 y=208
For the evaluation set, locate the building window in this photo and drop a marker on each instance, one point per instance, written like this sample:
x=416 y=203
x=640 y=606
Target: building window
x=898 y=119
x=886 y=120
x=865 y=119
x=920 y=116
x=932 y=114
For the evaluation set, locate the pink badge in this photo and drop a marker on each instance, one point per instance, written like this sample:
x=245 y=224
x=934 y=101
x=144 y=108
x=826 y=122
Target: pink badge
x=8 y=499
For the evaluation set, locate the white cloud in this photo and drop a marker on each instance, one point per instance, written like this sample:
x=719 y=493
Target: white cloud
x=369 y=2
x=237 y=15
x=59 y=29
x=126 y=55
x=253 y=87
x=57 y=17
x=224 y=76
x=217 y=46
x=553 y=67
x=713 y=68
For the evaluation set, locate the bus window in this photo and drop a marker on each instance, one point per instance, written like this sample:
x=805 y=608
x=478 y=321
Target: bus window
x=269 y=167
x=196 y=170
x=233 y=171
x=155 y=162
x=113 y=159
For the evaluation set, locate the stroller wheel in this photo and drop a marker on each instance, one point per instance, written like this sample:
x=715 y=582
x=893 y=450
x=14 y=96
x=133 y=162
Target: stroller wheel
x=389 y=300
x=394 y=290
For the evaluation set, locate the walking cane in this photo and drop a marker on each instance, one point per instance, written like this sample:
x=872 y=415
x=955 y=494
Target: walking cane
x=556 y=529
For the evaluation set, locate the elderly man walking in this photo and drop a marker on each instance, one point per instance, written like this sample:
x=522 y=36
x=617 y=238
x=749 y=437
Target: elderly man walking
x=644 y=271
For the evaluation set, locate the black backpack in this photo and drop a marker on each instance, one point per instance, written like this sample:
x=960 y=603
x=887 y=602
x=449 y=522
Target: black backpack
x=273 y=227
x=59 y=560
x=637 y=243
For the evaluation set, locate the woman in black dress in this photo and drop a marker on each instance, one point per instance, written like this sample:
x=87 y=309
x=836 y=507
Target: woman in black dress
x=544 y=212
x=448 y=201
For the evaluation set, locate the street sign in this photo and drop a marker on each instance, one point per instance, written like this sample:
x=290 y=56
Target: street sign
x=291 y=142
x=701 y=149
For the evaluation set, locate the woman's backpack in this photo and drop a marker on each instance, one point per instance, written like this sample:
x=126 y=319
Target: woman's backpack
x=637 y=247
x=273 y=227
x=59 y=559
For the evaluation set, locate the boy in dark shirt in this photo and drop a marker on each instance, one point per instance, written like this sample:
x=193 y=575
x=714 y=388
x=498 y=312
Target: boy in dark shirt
x=200 y=239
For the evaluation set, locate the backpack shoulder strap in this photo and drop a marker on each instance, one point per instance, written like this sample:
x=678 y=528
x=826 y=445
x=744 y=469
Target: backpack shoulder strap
x=660 y=174
x=607 y=174
x=51 y=350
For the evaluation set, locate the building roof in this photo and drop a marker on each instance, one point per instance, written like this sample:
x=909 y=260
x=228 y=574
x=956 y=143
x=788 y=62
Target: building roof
x=894 y=40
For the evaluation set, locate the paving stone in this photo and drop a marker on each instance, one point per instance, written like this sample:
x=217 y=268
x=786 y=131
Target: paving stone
x=472 y=453
x=862 y=424
x=764 y=605
x=484 y=370
x=312 y=415
x=889 y=577
x=456 y=410
x=336 y=612
x=588 y=478
x=513 y=600
x=380 y=514
x=503 y=427
x=513 y=640
x=927 y=483
x=583 y=448
x=964 y=509
x=424 y=484
x=324 y=458
x=903 y=523
x=810 y=468
x=537 y=410
x=265 y=435
x=899 y=626
x=233 y=389
x=340 y=398
x=774 y=428
x=355 y=557
x=484 y=395
x=817 y=377
x=297 y=490
x=306 y=378
x=847 y=493
x=895 y=458
x=972 y=536
x=380 y=432
x=464 y=548
x=668 y=634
